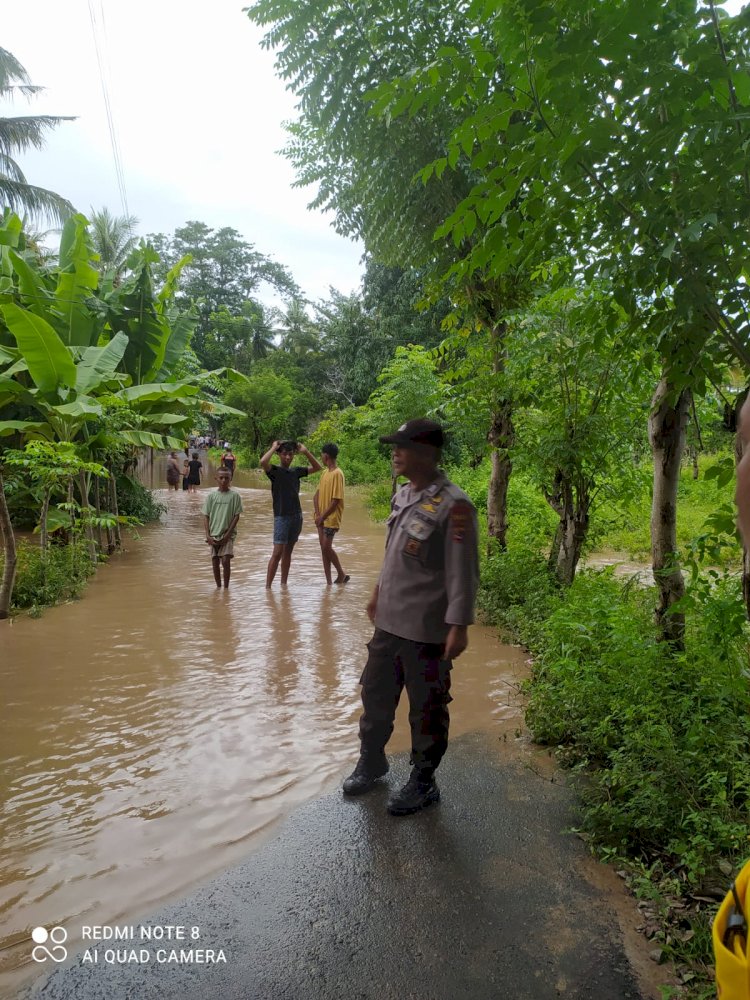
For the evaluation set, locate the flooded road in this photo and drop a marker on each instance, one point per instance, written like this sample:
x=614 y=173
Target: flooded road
x=155 y=730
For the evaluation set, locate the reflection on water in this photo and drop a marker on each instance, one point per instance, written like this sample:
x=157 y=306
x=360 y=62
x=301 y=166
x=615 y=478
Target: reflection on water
x=151 y=731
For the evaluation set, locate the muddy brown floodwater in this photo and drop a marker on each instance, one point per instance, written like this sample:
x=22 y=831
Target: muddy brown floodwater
x=153 y=732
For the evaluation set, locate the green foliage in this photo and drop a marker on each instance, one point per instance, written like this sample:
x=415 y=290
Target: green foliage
x=223 y=273
x=267 y=400
x=362 y=458
x=408 y=387
x=238 y=340
x=43 y=582
x=661 y=741
x=518 y=592
x=305 y=372
x=363 y=166
x=136 y=501
x=668 y=738
x=622 y=524
x=51 y=463
x=379 y=500
x=113 y=239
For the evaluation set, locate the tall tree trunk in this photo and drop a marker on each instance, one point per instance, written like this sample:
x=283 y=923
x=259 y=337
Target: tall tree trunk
x=86 y=516
x=114 y=505
x=98 y=508
x=572 y=507
x=554 y=552
x=111 y=546
x=9 y=554
x=43 y=533
x=501 y=436
x=739 y=451
x=573 y=530
x=666 y=433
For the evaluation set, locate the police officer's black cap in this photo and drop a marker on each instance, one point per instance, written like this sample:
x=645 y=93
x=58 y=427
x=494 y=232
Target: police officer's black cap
x=419 y=431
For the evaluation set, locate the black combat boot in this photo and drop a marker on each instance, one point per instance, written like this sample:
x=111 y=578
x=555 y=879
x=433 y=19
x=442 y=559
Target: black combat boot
x=369 y=768
x=419 y=791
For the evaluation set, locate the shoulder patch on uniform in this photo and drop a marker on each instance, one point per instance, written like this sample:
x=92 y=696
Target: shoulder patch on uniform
x=460 y=515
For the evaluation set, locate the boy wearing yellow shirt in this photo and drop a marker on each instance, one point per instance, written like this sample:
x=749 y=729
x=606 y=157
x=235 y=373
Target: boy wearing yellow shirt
x=328 y=503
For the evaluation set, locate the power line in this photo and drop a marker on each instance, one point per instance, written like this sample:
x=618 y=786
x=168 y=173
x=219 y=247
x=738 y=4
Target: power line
x=99 y=44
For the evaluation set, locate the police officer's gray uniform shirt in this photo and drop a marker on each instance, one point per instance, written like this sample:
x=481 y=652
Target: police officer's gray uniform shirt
x=430 y=573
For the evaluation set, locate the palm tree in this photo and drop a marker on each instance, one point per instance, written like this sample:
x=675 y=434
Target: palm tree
x=299 y=335
x=262 y=337
x=16 y=136
x=113 y=238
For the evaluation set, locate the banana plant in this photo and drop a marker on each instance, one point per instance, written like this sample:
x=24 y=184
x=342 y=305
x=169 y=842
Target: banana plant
x=72 y=348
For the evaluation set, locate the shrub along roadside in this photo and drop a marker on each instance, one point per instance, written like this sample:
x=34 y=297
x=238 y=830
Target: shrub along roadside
x=137 y=501
x=661 y=742
x=41 y=584
x=62 y=577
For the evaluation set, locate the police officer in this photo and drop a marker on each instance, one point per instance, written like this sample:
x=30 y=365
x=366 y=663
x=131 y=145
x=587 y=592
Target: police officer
x=421 y=607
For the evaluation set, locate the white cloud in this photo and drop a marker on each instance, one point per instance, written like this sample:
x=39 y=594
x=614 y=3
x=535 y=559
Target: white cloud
x=198 y=113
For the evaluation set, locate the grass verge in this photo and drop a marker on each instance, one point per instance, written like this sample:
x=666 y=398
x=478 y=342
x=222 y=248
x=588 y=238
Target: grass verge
x=659 y=742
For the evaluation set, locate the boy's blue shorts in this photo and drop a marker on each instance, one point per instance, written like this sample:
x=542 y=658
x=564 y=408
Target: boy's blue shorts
x=286 y=529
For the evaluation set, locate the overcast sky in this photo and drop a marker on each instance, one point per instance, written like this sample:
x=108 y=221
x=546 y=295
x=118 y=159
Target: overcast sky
x=198 y=113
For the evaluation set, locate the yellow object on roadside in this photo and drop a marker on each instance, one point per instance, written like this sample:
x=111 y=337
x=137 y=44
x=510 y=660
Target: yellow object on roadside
x=730 y=941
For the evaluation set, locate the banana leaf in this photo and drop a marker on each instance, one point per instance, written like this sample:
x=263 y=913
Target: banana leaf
x=50 y=362
x=8 y=427
x=31 y=286
x=84 y=406
x=56 y=518
x=147 y=439
x=209 y=406
x=8 y=355
x=165 y=419
x=98 y=364
x=77 y=281
x=10 y=230
x=157 y=390
x=182 y=329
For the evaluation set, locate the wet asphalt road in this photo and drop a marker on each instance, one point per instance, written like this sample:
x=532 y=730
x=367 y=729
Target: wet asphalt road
x=482 y=896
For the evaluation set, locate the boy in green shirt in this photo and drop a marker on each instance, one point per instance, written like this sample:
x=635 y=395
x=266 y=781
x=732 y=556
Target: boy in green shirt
x=221 y=512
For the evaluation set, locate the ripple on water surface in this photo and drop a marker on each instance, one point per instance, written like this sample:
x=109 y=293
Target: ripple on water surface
x=155 y=728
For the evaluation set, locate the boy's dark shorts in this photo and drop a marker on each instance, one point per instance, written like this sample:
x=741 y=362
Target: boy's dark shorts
x=286 y=529
x=330 y=532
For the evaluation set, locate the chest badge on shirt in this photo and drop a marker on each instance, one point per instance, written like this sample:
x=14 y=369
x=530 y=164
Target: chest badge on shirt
x=419 y=529
x=412 y=547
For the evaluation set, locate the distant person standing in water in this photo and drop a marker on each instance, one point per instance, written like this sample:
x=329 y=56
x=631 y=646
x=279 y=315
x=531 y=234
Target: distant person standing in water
x=195 y=474
x=174 y=473
x=328 y=503
x=228 y=460
x=287 y=510
x=221 y=512
x=186 y=473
